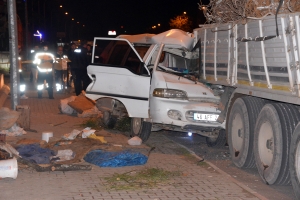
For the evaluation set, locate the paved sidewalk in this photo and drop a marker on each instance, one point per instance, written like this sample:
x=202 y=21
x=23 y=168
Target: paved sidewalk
x=197 y=180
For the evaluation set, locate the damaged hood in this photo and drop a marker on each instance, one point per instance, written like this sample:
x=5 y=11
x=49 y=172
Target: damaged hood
x=173 y=38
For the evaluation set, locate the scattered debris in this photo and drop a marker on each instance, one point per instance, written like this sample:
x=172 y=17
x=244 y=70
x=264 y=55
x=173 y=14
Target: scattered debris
x=28 y=141
x=152 y=148
x=65 y=108
x=9 y=168
x=72 y=135
x=55 y=167
x=147 y=178
x=63 y=143
x=95 y=137
x=46 y=136
x=115 y=159
x=8 y=118
x=34 y=153
x=15 y=130
x=80 y=146
x=135 y=141
x=63 y=155
x=81 y=103
x=87 y=132
x=93 y=112
x=9 y=149
x=58 y=123
x=30 y=130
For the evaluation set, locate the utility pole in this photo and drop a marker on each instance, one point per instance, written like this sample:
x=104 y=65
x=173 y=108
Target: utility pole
x=13 y=52
x=26 y=30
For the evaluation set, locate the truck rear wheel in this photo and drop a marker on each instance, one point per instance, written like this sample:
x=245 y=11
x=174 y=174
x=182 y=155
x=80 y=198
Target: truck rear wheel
x=140 y=128
x=294 y=161
x=241 y=125
x=274 y=127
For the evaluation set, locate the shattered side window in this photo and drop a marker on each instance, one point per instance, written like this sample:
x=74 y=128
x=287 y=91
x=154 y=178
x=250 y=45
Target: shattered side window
x=118 y=53
x=110 y=52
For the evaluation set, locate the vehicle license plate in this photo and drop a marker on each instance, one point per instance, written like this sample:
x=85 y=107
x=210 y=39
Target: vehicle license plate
x=205 y=117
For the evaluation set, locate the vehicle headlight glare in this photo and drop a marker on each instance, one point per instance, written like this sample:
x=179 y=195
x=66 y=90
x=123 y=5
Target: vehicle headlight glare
x=170 y=93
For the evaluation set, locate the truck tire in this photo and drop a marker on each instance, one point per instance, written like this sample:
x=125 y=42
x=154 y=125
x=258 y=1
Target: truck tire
x=217 y=142
x=274 y=128
x=109 y=120
x=294 y=161
x=140 y=128
x=241 y=125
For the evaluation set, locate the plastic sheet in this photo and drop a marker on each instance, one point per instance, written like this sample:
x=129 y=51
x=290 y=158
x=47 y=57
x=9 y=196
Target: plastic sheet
x=34 y=153
x=115 y=159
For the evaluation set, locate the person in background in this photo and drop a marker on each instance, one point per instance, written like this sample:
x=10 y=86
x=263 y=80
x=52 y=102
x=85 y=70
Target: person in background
x=89 y=52
x=60 y=67
x=34 y=70
x=78 y=65
x=44 y=61
x=22 y=81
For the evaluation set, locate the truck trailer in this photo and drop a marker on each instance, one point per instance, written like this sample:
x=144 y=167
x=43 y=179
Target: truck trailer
x=256 y=62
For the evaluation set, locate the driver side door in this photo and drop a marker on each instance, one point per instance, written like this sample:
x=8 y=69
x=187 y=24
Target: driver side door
x=118 y=72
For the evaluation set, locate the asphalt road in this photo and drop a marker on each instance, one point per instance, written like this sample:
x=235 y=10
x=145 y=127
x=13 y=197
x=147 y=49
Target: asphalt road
x=221 y=158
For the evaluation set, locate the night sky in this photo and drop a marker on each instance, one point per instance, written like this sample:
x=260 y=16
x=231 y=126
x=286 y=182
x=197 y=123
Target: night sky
x=135 y=16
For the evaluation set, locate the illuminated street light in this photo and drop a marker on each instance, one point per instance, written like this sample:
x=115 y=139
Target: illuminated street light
x=158 y=24
x=184 y=12
x=77 y=22
x=66 y=13
x=60 y=6
x=73 y=19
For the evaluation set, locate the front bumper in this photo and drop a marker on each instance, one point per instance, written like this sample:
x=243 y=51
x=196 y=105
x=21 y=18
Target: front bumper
x=159 y=108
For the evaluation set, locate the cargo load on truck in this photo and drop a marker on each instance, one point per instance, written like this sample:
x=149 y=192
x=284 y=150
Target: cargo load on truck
x=224 y=11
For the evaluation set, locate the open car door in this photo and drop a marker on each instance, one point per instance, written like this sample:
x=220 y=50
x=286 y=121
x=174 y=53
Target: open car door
x=118 y=72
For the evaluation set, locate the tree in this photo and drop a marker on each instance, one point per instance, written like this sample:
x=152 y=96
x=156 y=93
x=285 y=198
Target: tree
x=181 y=22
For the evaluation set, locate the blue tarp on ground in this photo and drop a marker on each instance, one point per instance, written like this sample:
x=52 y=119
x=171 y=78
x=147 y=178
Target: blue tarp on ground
x=34 y=153
x=115 y=159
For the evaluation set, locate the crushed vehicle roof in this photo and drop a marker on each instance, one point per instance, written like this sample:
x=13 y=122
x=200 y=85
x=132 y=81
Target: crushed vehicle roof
x=173 y=38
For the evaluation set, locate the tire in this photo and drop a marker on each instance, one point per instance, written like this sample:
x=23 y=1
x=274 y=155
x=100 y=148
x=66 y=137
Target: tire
x=109 y=120
x=294 y=161
x=218 y=142
x=274 y=128
x=240 y=128
x=140 y=128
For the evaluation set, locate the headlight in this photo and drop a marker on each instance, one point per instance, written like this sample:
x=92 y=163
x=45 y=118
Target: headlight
x=170 y=93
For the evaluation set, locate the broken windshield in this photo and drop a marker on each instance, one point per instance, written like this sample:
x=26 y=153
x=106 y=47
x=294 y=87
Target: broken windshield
x=184 y=64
